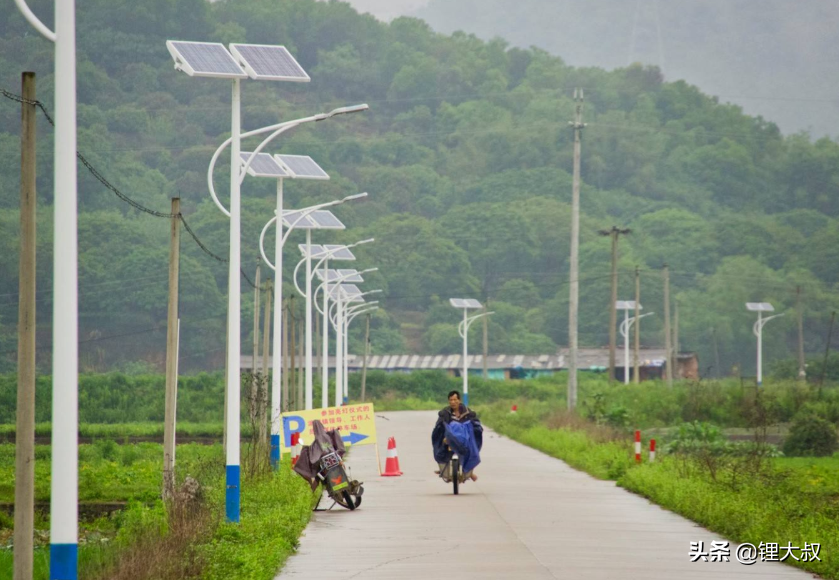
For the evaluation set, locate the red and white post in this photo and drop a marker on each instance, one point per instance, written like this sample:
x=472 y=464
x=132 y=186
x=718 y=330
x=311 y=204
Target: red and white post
x=637 y=446
x=652 y=450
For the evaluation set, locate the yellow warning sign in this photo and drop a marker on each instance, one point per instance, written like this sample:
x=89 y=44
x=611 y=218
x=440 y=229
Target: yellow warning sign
x=357 y=424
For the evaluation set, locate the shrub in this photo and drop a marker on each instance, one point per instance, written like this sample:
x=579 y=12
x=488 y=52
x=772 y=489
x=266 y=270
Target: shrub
x=811 y=436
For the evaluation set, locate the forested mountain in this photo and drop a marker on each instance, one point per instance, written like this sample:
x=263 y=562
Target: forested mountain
x=466 y=153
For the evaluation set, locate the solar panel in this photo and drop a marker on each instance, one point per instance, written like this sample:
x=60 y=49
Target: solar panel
x=317 y=250
x=760 y=307
x=204 y=59
x=270 y=63
x=333 y=275
x=302 y=166
x=339 y=252
x=465 y=303
x=326 y=220
x=263 y=166
x=296 y=219
x=627 y=305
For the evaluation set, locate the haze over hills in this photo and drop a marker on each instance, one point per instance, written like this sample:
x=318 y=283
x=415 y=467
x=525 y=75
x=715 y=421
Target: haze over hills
x=773 y=61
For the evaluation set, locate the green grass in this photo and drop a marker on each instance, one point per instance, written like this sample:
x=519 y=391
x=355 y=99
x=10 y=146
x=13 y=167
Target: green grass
x=796 y=500
x=119 y=431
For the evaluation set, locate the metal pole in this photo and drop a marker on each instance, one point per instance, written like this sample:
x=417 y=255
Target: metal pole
x=300 y=400
x=759 y=348
x=292 y=352
x=486 y=340
x=573 y=302
x=324 y=388
x=232 y=471
x=171 y=399
x=64 y=492
x=636 y=363
x=668 y=347
x=613 y=314
x=285 y=365
x=465 y=365
x=309 y=382
x=280 y=337
x=626 y=347
x=318 y=352
x=339 y=351
x=366 y=355
x=24 y=531
x=346 y=358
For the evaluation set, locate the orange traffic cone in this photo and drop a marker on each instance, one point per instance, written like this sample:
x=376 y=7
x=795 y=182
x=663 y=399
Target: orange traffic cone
x=392 y=461
x=295 y=448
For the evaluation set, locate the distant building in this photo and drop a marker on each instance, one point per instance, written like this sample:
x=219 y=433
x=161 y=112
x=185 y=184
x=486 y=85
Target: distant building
x=518 y=366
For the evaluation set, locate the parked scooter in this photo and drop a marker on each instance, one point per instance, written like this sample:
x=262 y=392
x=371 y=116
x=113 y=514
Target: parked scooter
x=322 y=463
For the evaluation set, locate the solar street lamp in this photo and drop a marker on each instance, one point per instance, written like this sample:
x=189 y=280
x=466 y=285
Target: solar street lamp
x=626 y=325
x=64 y=487
x=242 y=61
x=463 y=330
x=324 y=254
x=342 y=294
x=757 y=329
x=349 y=313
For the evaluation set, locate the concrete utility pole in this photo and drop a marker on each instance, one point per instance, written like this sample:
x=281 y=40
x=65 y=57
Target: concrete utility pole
x=676 y=348
x=285 y=365
x=574 y=297
x=486 y=338
x=171 y=400
x=254 y=381
x=613 y=311
x=802 y=370
x=263 y=385
x=24 y=533
x=668 y=346
x=716 y=352
x=636 y=363
x=366 y=355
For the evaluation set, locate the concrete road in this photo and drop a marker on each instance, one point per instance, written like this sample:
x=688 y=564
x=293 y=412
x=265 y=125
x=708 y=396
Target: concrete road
x=529 y=516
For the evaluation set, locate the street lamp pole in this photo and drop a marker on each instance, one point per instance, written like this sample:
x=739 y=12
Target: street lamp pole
x=64 y=486
x=463 y=330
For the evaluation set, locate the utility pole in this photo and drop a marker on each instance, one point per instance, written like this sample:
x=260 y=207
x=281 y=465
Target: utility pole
x=716 y=352
x=613 y=311
x=366 y=355
x=827 y=351
x=285 y=366
x=254 y=380
x=24 y=533
x=301 y=402
x=802 y=371
x=292 y=351
x=635 y=365
x=676 y=348
x=171 y=398
x=263 y=391
x=574 y=297
x=668 y=347
x=486 y=338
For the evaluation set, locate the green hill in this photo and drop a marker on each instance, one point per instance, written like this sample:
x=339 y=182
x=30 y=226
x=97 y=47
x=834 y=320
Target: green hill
x=466 y=153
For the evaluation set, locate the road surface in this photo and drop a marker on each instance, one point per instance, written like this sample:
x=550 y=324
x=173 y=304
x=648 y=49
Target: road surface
x=529 y=516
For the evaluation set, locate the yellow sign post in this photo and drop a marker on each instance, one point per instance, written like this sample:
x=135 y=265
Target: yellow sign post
x=356 y=422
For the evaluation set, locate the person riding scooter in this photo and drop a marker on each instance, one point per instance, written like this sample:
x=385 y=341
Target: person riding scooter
x=451 y=431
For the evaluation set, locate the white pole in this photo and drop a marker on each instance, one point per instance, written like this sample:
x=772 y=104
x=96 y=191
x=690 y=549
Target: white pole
x=626 y=346
x=346 y=359
x=64 y=487
x=309 y=381
x=759 y=349
x=233 y=322
x=277 y=356
x=339 y=350
x=465 y=366
x=325 y=370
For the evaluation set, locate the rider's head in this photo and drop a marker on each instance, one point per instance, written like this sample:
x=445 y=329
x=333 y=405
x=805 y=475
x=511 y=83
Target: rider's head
x=454 y=400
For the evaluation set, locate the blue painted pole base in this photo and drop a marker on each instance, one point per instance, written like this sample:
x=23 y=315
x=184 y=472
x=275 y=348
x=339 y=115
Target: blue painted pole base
x=275 y=452
x=64 y=561
x=466 y=399
x=346 y=400
x=232 y=495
